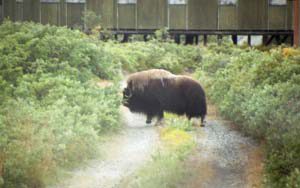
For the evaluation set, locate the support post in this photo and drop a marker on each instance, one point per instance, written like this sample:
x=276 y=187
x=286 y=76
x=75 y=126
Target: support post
x=205 y=40
x=177 y=38
x=249 y=40
x=220 y=37
x=234 y=39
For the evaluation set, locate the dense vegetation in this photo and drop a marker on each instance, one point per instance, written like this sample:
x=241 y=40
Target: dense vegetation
x=51 y=109
x=53 y=112
x=153 y=54
x=260 y=92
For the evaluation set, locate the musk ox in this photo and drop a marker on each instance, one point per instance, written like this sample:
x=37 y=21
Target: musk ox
x=154 y=91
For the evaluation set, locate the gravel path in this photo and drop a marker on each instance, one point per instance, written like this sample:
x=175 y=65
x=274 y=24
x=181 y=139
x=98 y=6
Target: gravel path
x=224 y=158
x=123 y=155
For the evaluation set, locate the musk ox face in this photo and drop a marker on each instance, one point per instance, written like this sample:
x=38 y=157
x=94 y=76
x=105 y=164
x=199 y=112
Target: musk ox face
x=133 y=101
x=127 y=94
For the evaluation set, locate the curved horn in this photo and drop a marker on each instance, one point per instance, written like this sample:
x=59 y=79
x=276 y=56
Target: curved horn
x=129 y=93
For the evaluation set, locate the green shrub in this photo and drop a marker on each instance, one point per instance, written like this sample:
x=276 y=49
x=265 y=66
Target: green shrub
x=52 y=112
x=91 y=19
x=260 y=91
x=138 y=56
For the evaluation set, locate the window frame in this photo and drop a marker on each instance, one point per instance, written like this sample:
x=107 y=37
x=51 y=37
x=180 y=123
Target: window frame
x=49 y=1
x=75 y=1
x=127 y=2
x=177 y=2
x=271 y=3
x=228 y=4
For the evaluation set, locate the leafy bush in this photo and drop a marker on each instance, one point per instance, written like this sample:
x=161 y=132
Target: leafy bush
x=138 y=56
x=260 y=91
x=91 y=19
x=52 y=112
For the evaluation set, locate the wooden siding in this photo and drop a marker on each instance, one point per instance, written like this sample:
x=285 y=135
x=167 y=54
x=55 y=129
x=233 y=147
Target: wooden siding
x=63 y=13
x=290 y=15
x=126 y=16
x=298 y=42
x=32 y=10
x=105 y=8
x=27 y=10
x=72 y=12
x=107 y=13
x=277 y=17
x=19 y=11
x=9 y=9
x=228 y=17
x=177 y=16
x=94 y=5
x=152 y=14
x=50 y=13
x=202 y=14
x=1 y=10
x=156 y=14
x=252 y=14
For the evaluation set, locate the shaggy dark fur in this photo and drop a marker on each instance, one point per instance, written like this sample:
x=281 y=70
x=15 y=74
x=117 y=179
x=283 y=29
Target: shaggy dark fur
x=159 y=92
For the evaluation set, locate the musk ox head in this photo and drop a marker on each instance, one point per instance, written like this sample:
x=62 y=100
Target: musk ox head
x=135 y=95
x=133 y=101
x=136 y=83
x=127 y=94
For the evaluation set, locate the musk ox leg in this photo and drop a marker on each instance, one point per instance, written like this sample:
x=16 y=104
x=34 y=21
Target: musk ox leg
x=160 y=115
x=202 y=121
x=160 y=119
x=149 y=119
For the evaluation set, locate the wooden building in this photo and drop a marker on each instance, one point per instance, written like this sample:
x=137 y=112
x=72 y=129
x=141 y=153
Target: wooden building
x=271 y=18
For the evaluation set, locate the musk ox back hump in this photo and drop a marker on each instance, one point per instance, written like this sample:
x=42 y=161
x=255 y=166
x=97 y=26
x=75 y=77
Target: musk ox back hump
x=139 y=80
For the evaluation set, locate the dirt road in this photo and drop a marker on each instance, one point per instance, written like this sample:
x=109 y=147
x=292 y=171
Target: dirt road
x=124 y=154
x=224 y=158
